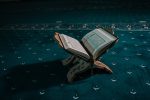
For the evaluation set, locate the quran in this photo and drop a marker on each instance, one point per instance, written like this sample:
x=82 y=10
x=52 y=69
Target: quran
x=92 y=45
x=85 y=53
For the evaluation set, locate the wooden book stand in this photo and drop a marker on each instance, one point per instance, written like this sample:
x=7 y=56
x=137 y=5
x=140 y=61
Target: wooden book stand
x=79 y=65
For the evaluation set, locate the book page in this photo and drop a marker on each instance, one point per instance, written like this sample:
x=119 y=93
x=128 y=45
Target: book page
x=97 y=40
x=74 y=46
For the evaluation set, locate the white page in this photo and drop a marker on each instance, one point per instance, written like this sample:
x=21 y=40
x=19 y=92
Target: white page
x=74 y=46
x=97 y=40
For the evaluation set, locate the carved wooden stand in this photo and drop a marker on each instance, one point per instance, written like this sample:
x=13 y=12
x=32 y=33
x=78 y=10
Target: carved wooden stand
x=79 y=66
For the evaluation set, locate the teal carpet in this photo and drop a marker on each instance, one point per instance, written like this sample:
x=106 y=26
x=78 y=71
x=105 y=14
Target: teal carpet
x=30 y=68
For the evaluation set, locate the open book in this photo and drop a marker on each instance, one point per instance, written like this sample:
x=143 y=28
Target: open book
x=92 y=45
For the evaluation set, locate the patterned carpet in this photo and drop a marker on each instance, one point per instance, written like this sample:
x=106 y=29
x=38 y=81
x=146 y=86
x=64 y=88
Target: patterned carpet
x=30 y=68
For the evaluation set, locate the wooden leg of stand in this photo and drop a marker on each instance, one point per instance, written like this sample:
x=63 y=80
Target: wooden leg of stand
x=102 y=66
x=68 y=60
x=77 y=68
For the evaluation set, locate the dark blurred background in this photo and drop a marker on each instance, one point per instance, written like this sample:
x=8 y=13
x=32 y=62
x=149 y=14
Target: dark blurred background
x=33 y=11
